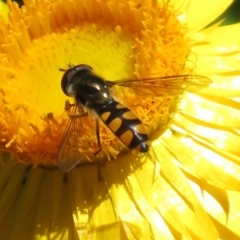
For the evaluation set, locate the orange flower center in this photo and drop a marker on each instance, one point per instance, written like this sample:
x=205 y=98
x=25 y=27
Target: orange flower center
x=119 y=40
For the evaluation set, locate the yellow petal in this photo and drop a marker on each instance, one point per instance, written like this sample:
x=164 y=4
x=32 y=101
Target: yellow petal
x=4 y=10
x=199 y=14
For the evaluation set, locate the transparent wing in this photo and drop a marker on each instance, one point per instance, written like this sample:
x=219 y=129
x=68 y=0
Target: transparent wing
x=68 y=154
x=163 y=86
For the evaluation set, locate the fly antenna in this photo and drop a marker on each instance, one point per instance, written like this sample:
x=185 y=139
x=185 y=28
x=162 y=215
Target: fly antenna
x=70 y=65
x=62 y=69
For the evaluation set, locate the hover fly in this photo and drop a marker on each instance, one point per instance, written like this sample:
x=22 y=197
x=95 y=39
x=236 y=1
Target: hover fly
x=93 y=93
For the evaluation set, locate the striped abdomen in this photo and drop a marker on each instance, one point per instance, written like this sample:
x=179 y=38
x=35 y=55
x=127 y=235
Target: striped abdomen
x=124 y=124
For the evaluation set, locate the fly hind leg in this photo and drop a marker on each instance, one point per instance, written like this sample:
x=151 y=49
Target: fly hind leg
x=98 y=137
x=73 y=114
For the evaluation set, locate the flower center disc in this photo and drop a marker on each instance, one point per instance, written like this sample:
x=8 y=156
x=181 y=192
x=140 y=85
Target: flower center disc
x=127 y=41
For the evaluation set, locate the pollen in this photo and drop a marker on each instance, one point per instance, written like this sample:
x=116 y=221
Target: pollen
x=123 y=40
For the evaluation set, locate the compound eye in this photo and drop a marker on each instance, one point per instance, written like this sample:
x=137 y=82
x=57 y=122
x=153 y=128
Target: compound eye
x=65 y=82
x=68 y=78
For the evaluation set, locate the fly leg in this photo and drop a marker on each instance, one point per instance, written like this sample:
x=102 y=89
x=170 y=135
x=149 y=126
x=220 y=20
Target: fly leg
x=68 y=105
x=97 y=132
x=98 y=137
x=73 y=114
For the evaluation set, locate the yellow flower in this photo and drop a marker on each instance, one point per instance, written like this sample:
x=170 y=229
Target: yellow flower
x=186 y=187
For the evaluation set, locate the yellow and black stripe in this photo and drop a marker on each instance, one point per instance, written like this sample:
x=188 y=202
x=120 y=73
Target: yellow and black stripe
x=124 y=124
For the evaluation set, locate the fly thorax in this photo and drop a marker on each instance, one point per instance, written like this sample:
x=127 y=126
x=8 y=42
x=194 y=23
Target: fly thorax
x=93 y=90
x=102 y=98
